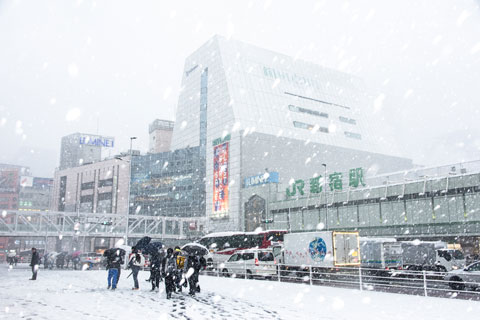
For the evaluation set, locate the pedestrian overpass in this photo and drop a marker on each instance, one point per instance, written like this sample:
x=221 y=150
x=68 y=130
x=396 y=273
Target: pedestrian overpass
x=71 y=227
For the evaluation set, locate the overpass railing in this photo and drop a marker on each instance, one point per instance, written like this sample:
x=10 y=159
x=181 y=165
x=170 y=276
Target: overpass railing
x=51 y=223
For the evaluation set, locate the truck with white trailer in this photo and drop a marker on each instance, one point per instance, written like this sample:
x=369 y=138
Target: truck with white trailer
x=431 y=256
x=320 y=250
x=380 y=254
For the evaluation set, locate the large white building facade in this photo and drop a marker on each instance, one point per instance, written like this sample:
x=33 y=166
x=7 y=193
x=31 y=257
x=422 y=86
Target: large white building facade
x=253 y=111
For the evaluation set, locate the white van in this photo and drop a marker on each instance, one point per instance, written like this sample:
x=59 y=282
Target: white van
x=251 y=263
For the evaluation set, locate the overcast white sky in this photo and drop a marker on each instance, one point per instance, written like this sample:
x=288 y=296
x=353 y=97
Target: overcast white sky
x=68 y=66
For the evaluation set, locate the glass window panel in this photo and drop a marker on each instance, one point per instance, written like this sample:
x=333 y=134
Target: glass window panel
x=311 y=219
x=296 y=220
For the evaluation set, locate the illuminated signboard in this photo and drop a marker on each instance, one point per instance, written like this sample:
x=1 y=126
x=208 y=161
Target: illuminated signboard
x=220 y=180
x=26 y=181
x=97 y=141
x=267 y=177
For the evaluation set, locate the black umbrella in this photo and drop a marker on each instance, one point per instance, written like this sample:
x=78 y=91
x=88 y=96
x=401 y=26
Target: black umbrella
x=195 y=249
x=62 y=254
x=142 y=243
x=113 y=251
x=152 y=248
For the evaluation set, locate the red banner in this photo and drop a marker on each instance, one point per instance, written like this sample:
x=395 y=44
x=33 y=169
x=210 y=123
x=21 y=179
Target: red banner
x=220 y=180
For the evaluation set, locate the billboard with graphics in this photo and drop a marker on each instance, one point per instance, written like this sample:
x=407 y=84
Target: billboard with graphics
x=220 y=180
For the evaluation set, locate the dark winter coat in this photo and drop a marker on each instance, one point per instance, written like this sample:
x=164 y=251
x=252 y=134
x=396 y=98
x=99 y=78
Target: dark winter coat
x=35 y=259
x=114 y=262
x=156 y=262
x=195 y=262
x=169 y=265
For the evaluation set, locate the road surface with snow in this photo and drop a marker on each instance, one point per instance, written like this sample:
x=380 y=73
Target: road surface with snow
x=68 y=294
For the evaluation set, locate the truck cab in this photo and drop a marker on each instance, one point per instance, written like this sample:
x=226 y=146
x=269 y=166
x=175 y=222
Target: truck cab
x=450 y=259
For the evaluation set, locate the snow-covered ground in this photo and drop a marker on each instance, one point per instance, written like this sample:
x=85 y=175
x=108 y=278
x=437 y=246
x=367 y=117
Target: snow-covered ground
x=62 y=294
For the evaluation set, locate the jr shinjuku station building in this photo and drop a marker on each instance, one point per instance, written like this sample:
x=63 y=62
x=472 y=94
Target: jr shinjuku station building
x=265 y=140
x=292 y=145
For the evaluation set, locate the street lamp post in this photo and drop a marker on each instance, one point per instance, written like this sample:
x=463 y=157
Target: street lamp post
x=325 y=191
x=268 y=199
x=128 y=191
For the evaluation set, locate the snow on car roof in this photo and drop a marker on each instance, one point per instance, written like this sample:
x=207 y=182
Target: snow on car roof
x=254 y=250
x=265 y=231
x=195 y=244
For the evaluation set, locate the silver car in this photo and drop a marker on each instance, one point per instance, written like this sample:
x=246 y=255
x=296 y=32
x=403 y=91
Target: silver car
x=463 y=278
x=251 y=263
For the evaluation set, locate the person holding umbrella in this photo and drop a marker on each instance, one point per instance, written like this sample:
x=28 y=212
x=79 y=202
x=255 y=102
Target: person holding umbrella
x=76 y=259
x=155 y=266
x=195 y=263
x=169 y=268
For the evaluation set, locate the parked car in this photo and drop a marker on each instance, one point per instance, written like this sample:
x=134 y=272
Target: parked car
x=463 y=278
x=251 y=263
x=91 y=259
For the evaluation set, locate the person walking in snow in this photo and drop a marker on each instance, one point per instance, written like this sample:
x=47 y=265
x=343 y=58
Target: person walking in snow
x=180 y=262
x=136 y=262
x=114 y=263
x=75 y=261
x=194 y=264
x=35 y=261
x=169 y=269
x=11 y=257
x=155 y=267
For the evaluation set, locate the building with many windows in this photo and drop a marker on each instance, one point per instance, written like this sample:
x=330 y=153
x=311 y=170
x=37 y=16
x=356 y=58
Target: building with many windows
x=80 y=148
x=439 y=203
x=35 y=193
x=252 y=111
x=97 y=187
x=160 y=132
x=170 y=184
x=10 y=184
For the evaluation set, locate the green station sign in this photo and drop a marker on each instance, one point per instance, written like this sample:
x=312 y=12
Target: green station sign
x=335 y=183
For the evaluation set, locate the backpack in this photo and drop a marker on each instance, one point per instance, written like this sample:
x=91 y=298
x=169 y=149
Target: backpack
x=180 y=262
x=171 y=265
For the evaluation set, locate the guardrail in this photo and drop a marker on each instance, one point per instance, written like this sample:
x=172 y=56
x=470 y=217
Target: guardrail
x=425 y=283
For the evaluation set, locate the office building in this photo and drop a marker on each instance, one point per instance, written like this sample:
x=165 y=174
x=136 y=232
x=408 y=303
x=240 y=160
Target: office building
x=97 y=187
x=35 y=193
x=252 y=111
x=79 y=148
x=160 y=135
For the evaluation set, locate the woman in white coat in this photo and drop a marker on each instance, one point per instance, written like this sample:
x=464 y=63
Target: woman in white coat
x=136 y=262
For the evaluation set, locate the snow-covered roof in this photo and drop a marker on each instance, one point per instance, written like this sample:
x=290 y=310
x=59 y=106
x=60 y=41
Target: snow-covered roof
x=378 y=239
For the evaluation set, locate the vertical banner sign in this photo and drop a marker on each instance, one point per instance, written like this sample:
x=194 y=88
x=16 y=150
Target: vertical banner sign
x=220 y=180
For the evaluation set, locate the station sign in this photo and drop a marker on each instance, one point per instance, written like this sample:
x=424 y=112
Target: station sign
x=335 y=183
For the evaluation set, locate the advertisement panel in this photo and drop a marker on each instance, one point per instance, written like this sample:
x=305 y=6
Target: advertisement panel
x=42 y=183
x=26 y=181
x=220 y=180
x=97 y=141
x=264 y=178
